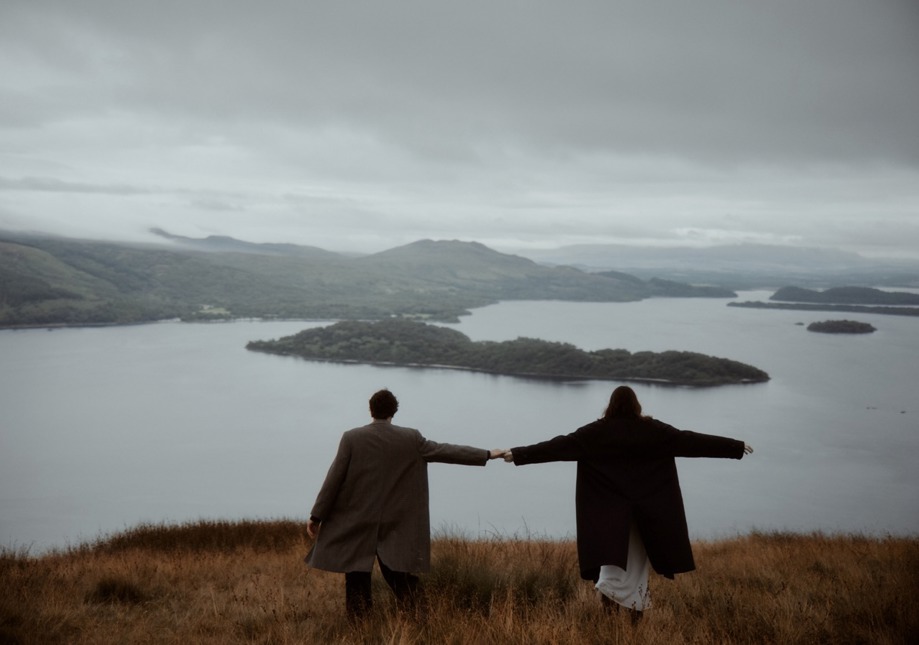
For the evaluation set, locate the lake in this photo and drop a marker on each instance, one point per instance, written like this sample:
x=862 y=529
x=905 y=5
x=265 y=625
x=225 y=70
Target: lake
x=105 y=428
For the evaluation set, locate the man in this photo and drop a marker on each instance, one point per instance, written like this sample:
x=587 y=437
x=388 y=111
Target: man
x=374 y=505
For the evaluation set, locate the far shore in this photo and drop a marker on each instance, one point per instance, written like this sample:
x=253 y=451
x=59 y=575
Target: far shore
x=865 y=309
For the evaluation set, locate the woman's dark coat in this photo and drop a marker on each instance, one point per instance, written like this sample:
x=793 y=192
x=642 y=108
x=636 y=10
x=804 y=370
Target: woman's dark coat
x=626 y=472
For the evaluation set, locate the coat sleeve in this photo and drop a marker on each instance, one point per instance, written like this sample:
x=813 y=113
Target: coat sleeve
x=325 y=500
x=448 y=453
x=686 y=443
x=566 y=447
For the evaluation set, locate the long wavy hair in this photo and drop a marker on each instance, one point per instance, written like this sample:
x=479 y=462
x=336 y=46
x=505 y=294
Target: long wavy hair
x=623 y=403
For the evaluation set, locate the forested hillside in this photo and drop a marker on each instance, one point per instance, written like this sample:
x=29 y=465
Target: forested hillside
x=865 y=300
x=846 y=296
x=56 y=281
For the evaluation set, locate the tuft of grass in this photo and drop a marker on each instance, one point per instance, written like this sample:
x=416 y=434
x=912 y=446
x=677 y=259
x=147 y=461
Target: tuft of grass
x=117 y=590
x=475 y=575
x=205 y=535
x=245 y=582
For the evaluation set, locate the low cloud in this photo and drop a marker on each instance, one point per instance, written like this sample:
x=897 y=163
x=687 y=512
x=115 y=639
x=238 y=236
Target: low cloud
x=623 y=121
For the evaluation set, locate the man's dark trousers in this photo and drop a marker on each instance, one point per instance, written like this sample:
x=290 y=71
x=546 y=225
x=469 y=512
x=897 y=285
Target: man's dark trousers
x=358 y=597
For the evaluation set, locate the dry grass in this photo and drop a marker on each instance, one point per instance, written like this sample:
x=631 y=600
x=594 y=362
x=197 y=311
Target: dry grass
x=245 y=582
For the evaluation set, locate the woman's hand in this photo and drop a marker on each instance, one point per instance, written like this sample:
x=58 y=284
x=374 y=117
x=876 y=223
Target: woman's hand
x=508 y=456
x=747 y=449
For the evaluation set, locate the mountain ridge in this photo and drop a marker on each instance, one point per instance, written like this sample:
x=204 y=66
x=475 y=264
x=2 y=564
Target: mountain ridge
x=47 y=280
x=225 y=243
x=737 y=266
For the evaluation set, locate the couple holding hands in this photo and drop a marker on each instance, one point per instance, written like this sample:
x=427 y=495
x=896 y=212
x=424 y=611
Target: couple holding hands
x=373 y=504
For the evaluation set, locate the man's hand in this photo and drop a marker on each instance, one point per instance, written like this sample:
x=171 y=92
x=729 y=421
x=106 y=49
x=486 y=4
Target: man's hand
x=312 y=528
x=747 y=449
x=509 y=457
x=497 y=453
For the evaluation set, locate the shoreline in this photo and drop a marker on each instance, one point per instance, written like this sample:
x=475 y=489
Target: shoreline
x=884 y=310
x=559 y=378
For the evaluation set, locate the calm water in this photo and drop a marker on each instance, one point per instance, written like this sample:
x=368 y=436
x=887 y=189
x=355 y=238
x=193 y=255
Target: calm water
x=103 y=428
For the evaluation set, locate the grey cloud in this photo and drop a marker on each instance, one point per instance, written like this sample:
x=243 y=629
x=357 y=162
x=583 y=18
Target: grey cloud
x=199 y=199
x=216 y=205
x=724 y=82
x=623 y=120
x=51 y=185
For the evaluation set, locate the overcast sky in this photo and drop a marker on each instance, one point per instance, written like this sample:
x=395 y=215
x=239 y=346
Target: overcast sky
x=365 y=125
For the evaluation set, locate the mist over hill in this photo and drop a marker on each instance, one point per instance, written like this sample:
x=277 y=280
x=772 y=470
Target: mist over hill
x=225 y=244
x=48 y=280
x=737 y=266
x=58 y=281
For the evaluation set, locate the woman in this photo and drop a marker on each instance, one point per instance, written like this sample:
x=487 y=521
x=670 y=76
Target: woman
x=628 y=501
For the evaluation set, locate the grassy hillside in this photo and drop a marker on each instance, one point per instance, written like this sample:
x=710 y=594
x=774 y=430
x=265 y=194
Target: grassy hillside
x=245 y=582
x=46 y=281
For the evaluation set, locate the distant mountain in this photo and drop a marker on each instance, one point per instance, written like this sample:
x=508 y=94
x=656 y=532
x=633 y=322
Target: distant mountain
x=846 y=296
x=442 y=265
x=671 y=289
x=451 y=256
x=751 y=257
x=735 y=266
x=59 y=281
x=866 y=300
x=224 y=244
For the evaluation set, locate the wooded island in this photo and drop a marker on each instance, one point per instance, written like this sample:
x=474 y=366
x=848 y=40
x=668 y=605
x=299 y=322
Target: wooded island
x=409 y=343
x=841 y=327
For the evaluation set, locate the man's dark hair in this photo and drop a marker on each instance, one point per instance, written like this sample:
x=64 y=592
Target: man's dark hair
x=383 y=405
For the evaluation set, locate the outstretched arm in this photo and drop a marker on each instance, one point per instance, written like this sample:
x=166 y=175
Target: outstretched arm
x=687 y=443
x=561 y=448
x=509 y=454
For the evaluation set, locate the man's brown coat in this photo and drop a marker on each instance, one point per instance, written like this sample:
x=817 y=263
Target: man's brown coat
x=374 y=500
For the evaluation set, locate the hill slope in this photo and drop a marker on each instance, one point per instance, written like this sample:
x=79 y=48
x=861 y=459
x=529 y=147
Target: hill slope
x=232 y=582
x=846 y=296
x=47 y=281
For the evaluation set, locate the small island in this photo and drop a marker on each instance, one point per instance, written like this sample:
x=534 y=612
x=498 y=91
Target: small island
x=407 y=343
x=841 y=327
